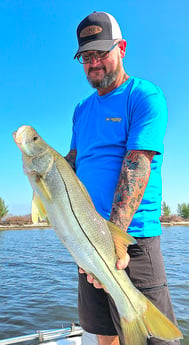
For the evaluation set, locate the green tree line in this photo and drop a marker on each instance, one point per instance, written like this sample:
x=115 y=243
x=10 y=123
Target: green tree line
x=182 y=210
x=3 y=209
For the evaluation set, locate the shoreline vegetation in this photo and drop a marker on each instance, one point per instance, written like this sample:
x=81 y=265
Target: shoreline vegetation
x=47 y=226
x=21 y=223
x=12 y=222
x=28 y=225
x=183 y=223
x=25 y=226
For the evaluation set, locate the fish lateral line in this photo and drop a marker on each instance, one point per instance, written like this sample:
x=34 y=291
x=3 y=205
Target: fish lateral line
x=91 y=243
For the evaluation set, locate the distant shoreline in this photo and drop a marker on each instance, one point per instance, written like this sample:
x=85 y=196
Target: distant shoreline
x=175 y=223
x=25 y=226
x=46 y=226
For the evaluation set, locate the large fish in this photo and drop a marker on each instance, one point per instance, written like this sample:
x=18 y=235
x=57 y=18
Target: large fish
x=94 y=243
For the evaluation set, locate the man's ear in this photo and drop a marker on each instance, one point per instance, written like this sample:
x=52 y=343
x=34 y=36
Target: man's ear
x=122 y=45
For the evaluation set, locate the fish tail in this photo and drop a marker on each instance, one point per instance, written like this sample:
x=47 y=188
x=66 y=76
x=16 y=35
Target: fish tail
x=134 y=332
x=151 y=324
x=159 y=325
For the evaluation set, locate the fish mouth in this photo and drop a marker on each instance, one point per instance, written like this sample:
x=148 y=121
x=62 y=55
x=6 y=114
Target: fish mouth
x=14 y=135
x=18 y=135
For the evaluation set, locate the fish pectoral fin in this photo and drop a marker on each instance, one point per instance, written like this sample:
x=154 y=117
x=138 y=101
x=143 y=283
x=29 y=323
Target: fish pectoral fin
x=43 y=187
x=38 y=210
x=121 y=239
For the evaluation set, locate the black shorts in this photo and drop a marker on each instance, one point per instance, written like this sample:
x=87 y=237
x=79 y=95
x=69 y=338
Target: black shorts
x=97 y=311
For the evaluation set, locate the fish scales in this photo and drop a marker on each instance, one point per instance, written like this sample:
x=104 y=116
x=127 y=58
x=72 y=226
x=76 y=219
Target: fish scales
x=82 y=221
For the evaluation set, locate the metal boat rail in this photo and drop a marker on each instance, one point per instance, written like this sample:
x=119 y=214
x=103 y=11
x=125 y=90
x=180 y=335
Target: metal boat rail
x=46 y=335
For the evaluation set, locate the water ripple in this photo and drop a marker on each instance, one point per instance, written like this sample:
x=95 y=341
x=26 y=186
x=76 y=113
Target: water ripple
x=38 y=280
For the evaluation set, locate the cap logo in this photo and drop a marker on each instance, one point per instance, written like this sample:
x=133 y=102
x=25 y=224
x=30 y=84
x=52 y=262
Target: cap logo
x=90 y=30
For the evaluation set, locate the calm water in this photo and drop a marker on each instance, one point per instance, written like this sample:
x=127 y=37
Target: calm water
x=38 y=280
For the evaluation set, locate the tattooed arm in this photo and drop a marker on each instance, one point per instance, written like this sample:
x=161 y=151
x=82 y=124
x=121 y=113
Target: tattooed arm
x=133 y=180
x=134 y=176
x=71 y=158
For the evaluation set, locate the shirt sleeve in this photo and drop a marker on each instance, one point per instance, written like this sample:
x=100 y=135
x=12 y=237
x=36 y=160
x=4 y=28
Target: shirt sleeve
x=148 y=121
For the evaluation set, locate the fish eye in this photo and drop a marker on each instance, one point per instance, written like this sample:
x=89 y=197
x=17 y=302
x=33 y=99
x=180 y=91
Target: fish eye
x=35 y=138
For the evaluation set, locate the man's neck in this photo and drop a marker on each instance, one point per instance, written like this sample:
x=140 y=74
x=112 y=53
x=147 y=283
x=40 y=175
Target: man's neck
x=120 y=80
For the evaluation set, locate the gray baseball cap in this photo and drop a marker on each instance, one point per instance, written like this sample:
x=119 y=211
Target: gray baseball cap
x=97 y=31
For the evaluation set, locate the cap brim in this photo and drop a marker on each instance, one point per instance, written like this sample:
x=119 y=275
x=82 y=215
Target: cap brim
x=104 y=45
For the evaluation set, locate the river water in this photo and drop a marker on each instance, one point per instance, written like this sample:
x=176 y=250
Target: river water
x=38 y=280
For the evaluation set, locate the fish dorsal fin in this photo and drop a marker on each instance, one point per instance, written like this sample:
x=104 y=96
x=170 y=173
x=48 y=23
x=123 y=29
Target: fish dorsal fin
x=38 y=210
x=121 y=239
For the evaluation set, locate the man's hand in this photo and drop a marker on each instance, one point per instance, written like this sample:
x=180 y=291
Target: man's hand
x=91 y=279
x=121 y=264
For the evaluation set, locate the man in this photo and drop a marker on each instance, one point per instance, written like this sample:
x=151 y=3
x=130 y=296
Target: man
x=116 y=151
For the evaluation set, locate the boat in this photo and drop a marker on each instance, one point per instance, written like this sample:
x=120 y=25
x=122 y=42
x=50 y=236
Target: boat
x=73 y=335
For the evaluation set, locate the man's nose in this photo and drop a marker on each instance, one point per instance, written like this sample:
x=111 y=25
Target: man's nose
x=93 y=60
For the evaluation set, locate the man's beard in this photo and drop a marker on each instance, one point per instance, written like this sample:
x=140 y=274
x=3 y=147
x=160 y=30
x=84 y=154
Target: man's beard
x=108 y=79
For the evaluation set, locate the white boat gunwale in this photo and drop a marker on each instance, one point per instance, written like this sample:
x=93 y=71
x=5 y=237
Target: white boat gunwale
x=46 y=335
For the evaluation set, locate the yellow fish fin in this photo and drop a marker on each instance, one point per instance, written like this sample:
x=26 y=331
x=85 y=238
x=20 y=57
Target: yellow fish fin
x=121 y=239
x=151 y=324
x=134 y=331
x=38 y=210
x=43 y=187
x=159 y=325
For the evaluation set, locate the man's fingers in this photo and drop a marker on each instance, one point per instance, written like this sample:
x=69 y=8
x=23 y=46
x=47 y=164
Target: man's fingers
x=123 y=262
x=91 y=279
x=94 y=281
x=81 y=270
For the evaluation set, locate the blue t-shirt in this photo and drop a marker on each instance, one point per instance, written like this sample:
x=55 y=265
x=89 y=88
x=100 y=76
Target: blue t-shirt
x=131 y=117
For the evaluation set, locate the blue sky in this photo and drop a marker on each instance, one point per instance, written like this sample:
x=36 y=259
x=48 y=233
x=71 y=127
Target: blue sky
x=40 y=83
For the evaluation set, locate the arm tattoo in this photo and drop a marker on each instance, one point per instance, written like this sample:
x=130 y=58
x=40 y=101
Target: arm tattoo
x=71 y=158
x=132 y=182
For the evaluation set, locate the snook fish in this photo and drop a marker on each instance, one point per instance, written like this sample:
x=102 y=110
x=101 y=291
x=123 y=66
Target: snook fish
x=94 y=243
